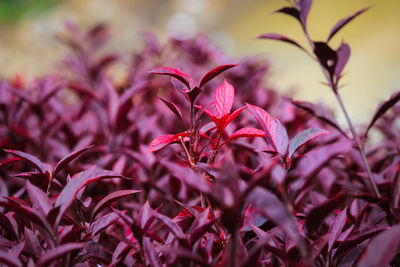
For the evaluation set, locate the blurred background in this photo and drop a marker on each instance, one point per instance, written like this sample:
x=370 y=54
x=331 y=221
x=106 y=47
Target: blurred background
x=28 y=45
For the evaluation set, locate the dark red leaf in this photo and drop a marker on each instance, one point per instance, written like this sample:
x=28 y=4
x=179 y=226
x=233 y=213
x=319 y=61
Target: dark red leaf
x=8 y=162
x=279 y=37
x=275 y=132
x=213 y=73
x=291 y=11
x=245 y=132
x=29 y=158
x=381 y=249
x=302 y=138
x=114 y=196
x=58 y=252
x=233 y=115
x=173 y=108
x=223 y=100
x=382 y=108
x=66 y=160
x=184 y=78
x=153 y=259
x=343 y=23
x=326 y=56
x=8 y=228
x=200 y=226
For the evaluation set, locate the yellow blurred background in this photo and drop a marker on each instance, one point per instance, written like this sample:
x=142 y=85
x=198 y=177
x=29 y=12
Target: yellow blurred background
x=28 y=44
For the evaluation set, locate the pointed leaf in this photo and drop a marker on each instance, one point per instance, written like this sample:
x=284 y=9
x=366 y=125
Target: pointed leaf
x=343 y=54
x=336 y=228
x=291 y=11
x=58 y=252
x=305 y=6
x=303 y=137
x=164 y=140
x=275 y=133
x=279 y=37
x=213 y=73
x=172 y=226
x=326 y=56
x=382 y=108
x=9 y=259
x=114 y=196
x=66 y=160
x=153 y=259
x=381 y=249
x=223 y=99
x=29 y=158
x=38 y=198
x=4 y=164
x=233 y=115
x=184 y=78
x=343 y=23
x=245 y=132
x=173 y=108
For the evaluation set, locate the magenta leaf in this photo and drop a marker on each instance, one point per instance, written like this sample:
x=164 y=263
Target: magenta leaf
x=172 y=226
x=381 y=249
x=223 y=100
x=303 y=137
x=8 y=228
x=66 y=160
x=164 y=140
x=114 y=196
x=58 y=252
x=279 y=37
x=184 y=78
x=38 y=198
x=8 y=162
x=382 y=108
x=233 y=115
x=275 y=133
x=213 y=73
x=336 y=228
x=29 y=158
x=245 y=132
x=343 y=23
x=343 y=54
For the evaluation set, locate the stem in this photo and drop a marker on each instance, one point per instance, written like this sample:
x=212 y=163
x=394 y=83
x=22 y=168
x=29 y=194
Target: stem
x=360 y=147
x=334 y=87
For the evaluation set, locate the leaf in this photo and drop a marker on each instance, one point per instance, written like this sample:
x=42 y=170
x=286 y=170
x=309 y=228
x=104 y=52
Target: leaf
x=173 y=108
x=233 y=116
x=275 y=132
x=320 y=113
x=382 y=108
x=38 y=198
x=153 y=259
x=381 y=249
x=213 y=73
x=172 y=226
x=67 y=159
x=291 y=11
x=223 y=100
x=336 y=228
x=279 y=37
x=326 y=56
x=103 y=222
x=114 y=196
x=338 y=26
x=164 y=140
x=303 y=137
x=245 y=132
x=29 y=158
x=305 y=6
x=10 y=259
x=4 y=164
x=7 y=227
x=184 y=78
x=58 y=252
x=343 y=54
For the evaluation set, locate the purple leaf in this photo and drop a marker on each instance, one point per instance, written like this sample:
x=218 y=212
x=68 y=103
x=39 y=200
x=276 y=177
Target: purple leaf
x=279 y=37
x=275 y=133
x=326 y=56
x=8 y=162
x=173 y=108
x=29 y=158
x=10 y=259
x=153 y=259
x=302 y=138
x=114 y=196
x=172 y=226
x=184 y=78
x=245 y=132
x=343 y=23
x=66 y=160
x=305 y=6
x=103 y=222
x=336 y=228
x=38 y=198
x=58 y=252
x=223 y=100
x=382 y=108
x=381 y=249
x=343 y=54
x=213 y=73
x=7 y=226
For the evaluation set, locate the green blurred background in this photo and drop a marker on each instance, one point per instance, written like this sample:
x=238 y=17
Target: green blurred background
x=28 y=45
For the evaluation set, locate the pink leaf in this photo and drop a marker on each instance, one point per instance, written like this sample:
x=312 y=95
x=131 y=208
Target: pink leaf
x=213 y=73
x=245 y=132
x=343 y=54
x=223 y=99
x=162 y=141
x=303 y=137
x=233 y=115
x=184 y=78
x=275 y=133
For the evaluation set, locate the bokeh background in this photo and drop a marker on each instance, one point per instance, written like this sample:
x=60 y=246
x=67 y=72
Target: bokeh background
x=28 y=45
